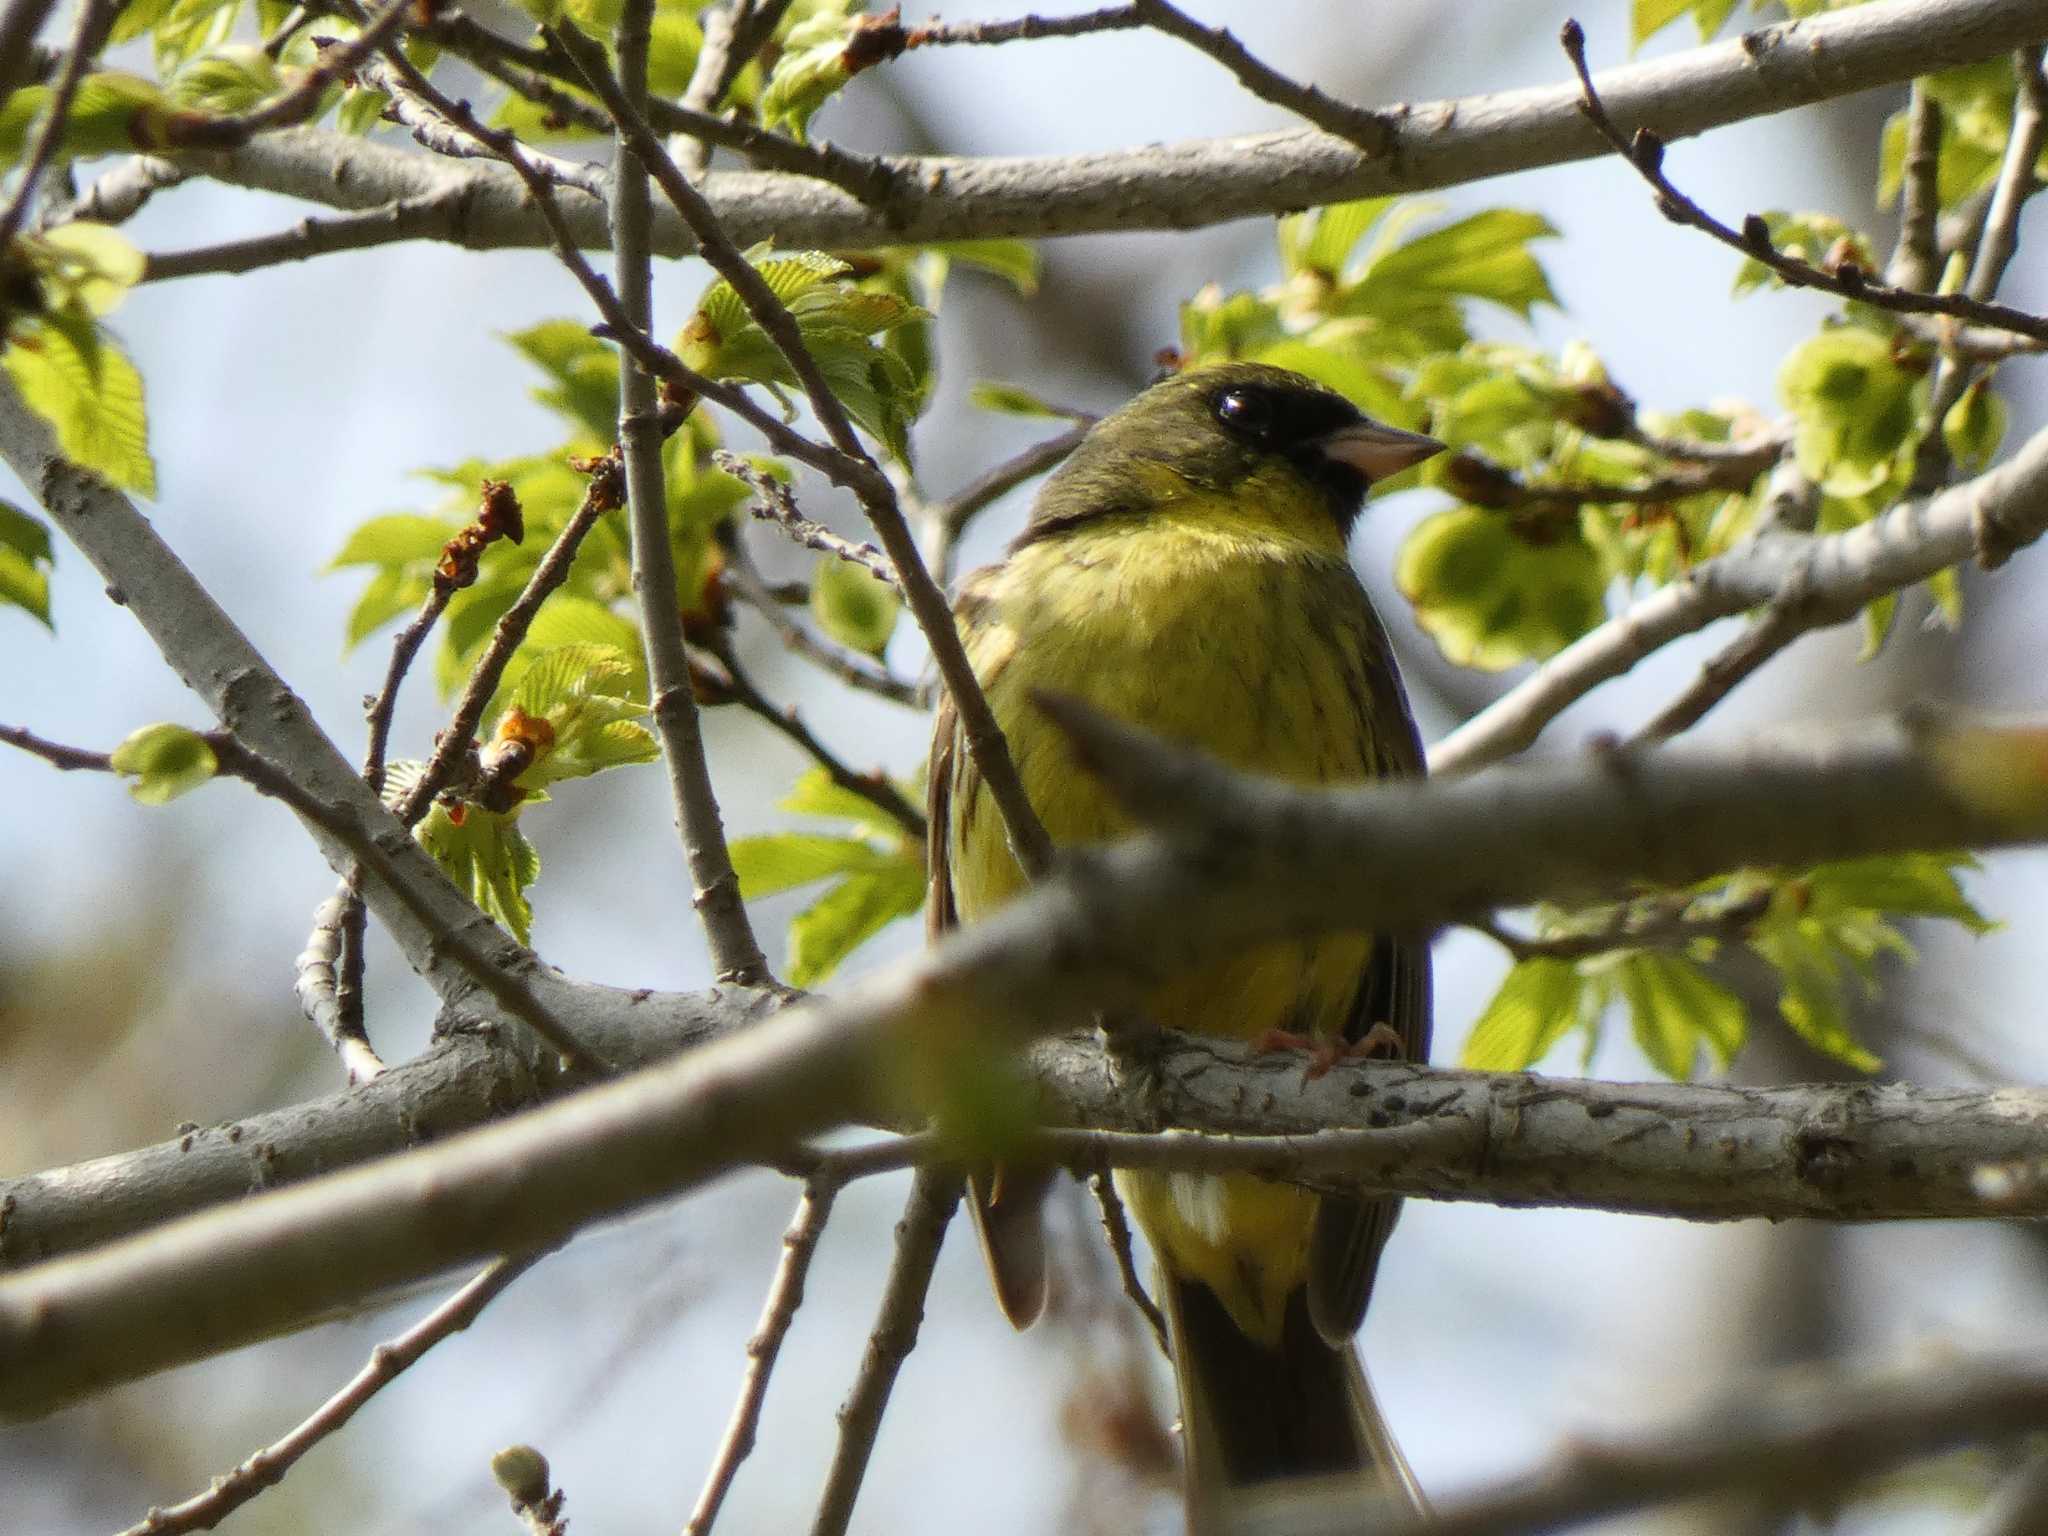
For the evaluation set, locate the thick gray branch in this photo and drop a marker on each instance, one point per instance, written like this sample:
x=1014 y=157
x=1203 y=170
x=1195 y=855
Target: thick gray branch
x=1254 y=860
x=1204 y=181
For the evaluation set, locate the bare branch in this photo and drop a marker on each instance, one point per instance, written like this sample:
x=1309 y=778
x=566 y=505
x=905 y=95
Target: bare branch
x=1834 y=575
x=1101 y=934
x=785 y=1296
x=1372 y=132
x=432 y=216
x=856 y=469
x=332 y=1003
x=774 y=502
x=56 y=754
x=1027 y=29
x=1645 y=152
x=934 y=1196
x=2016 y=180
x=1202 y=182
x=1917 y=261
x=735 y=952
x=267 y=1467
x=1116 y=1230
x=1802 y=1441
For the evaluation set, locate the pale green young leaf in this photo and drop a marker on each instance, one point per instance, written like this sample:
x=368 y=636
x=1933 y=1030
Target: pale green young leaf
x=24 y=585
x=1015 y=262
x=1485 y=256
x=72 y=375
x=113 y=112
x=1811 y=992
x=853 y=606
x=1537 y=1004
x=189 y=27
x=782 y=861
x=849 y=914
x=814 y=794
x=84 y=266
x=487 y=855
x=583 y=374
x=389 y=593
x=1975 y=425
x=1320 y=242
x=1878 y=616
x=1902 y=885
x=1675 y=1008
x=1647 y=18
x=672 y=49
x=395 y=539
x=1491 y=598
x=1011 y=400
x=227 y=79
x=1855 y=408
x=1946 y=589
x=812 y=68
x=165 y=761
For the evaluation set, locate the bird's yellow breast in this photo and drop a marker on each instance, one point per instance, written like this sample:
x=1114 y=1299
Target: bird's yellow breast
x=1237 y=628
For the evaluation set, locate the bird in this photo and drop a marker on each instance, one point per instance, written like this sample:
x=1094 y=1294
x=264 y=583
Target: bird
x=1186 y=570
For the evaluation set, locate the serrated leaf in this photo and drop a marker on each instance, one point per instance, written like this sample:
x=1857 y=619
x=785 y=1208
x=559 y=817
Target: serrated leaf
x=1321 y=242
x=113 y=112
x=580 y=691
x=73 y=376
x=165 y=761
x=854 y=606
x=228 y=79
x=1675 y=1008
x=849 y=914
x=1536 y=1005
x=1810 y=997
x=782 y=861
x=1015 y=262
x=1902 y=885
x=1485 y=256
x=487 y=855
x=812 y=67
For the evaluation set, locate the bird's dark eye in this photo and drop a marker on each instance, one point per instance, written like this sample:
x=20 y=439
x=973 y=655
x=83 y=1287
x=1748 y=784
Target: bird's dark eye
x=1245 y=412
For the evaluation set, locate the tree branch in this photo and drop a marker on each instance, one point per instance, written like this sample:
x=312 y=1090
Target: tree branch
x=1834 y=575
x=389 y=1360
x=934 y=1196
x=1252 y=861
x=1197 y=183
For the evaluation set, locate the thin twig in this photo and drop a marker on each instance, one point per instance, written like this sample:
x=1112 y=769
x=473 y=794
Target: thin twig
x=56 y=754
x=1117 y=1228
x=443 y=125
x=1645 y=152
x=1768 y=634
x=934 y=1194
x=735 y=952
x=1916 y=263
x=854 y=469
x=1372 y=132
x=946 y=520
x=1656 y=922
x=855 y=671
x=875 y=787
x=328 y=995
x=56 y=116
x=1027 y=29
x=604 y=494
x=267 y=1467
x=785 y=1296
x=775 y=502
x=431 y=215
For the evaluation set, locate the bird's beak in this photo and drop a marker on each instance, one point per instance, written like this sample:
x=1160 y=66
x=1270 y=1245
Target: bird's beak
x=1377 y=450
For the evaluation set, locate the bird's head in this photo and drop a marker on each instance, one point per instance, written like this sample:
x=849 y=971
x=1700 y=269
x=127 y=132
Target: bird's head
x=1242 y=431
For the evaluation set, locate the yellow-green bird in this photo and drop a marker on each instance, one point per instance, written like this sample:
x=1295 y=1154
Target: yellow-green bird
x=1186 y=571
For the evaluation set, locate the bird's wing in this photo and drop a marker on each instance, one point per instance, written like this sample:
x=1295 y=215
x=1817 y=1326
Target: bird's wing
x=1344 y=1251
x=1007 y=1205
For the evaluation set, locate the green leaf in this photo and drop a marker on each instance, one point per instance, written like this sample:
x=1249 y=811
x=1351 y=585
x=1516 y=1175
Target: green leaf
x=1878 y=616
x=1491 y=597
x=814 y=794
x=854 y=606
x=1811 y=1000
x=581 y=692
x=584 y=373
x=1854 y=405
x=813 y=67
x=1320 y=242
x=165 y=761
x=395 y=539
x=1485 y=256
x=390 y=592
x=849 y=914
x=83 y=266
x=1649 y=17
x=1675 y=1007
x=25 y=557
x=1975 y=425
x=1015 y=262
x=1012 y=400
x=1901 y=884
x=782 y=861
x=1537 y=1003
x=485 y=854
x=113 y=112
x=229 y=79
x=72 y=375
x=1217 y=327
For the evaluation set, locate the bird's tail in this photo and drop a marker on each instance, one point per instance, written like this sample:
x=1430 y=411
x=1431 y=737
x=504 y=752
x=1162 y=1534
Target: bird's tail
x=1253 y=1415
